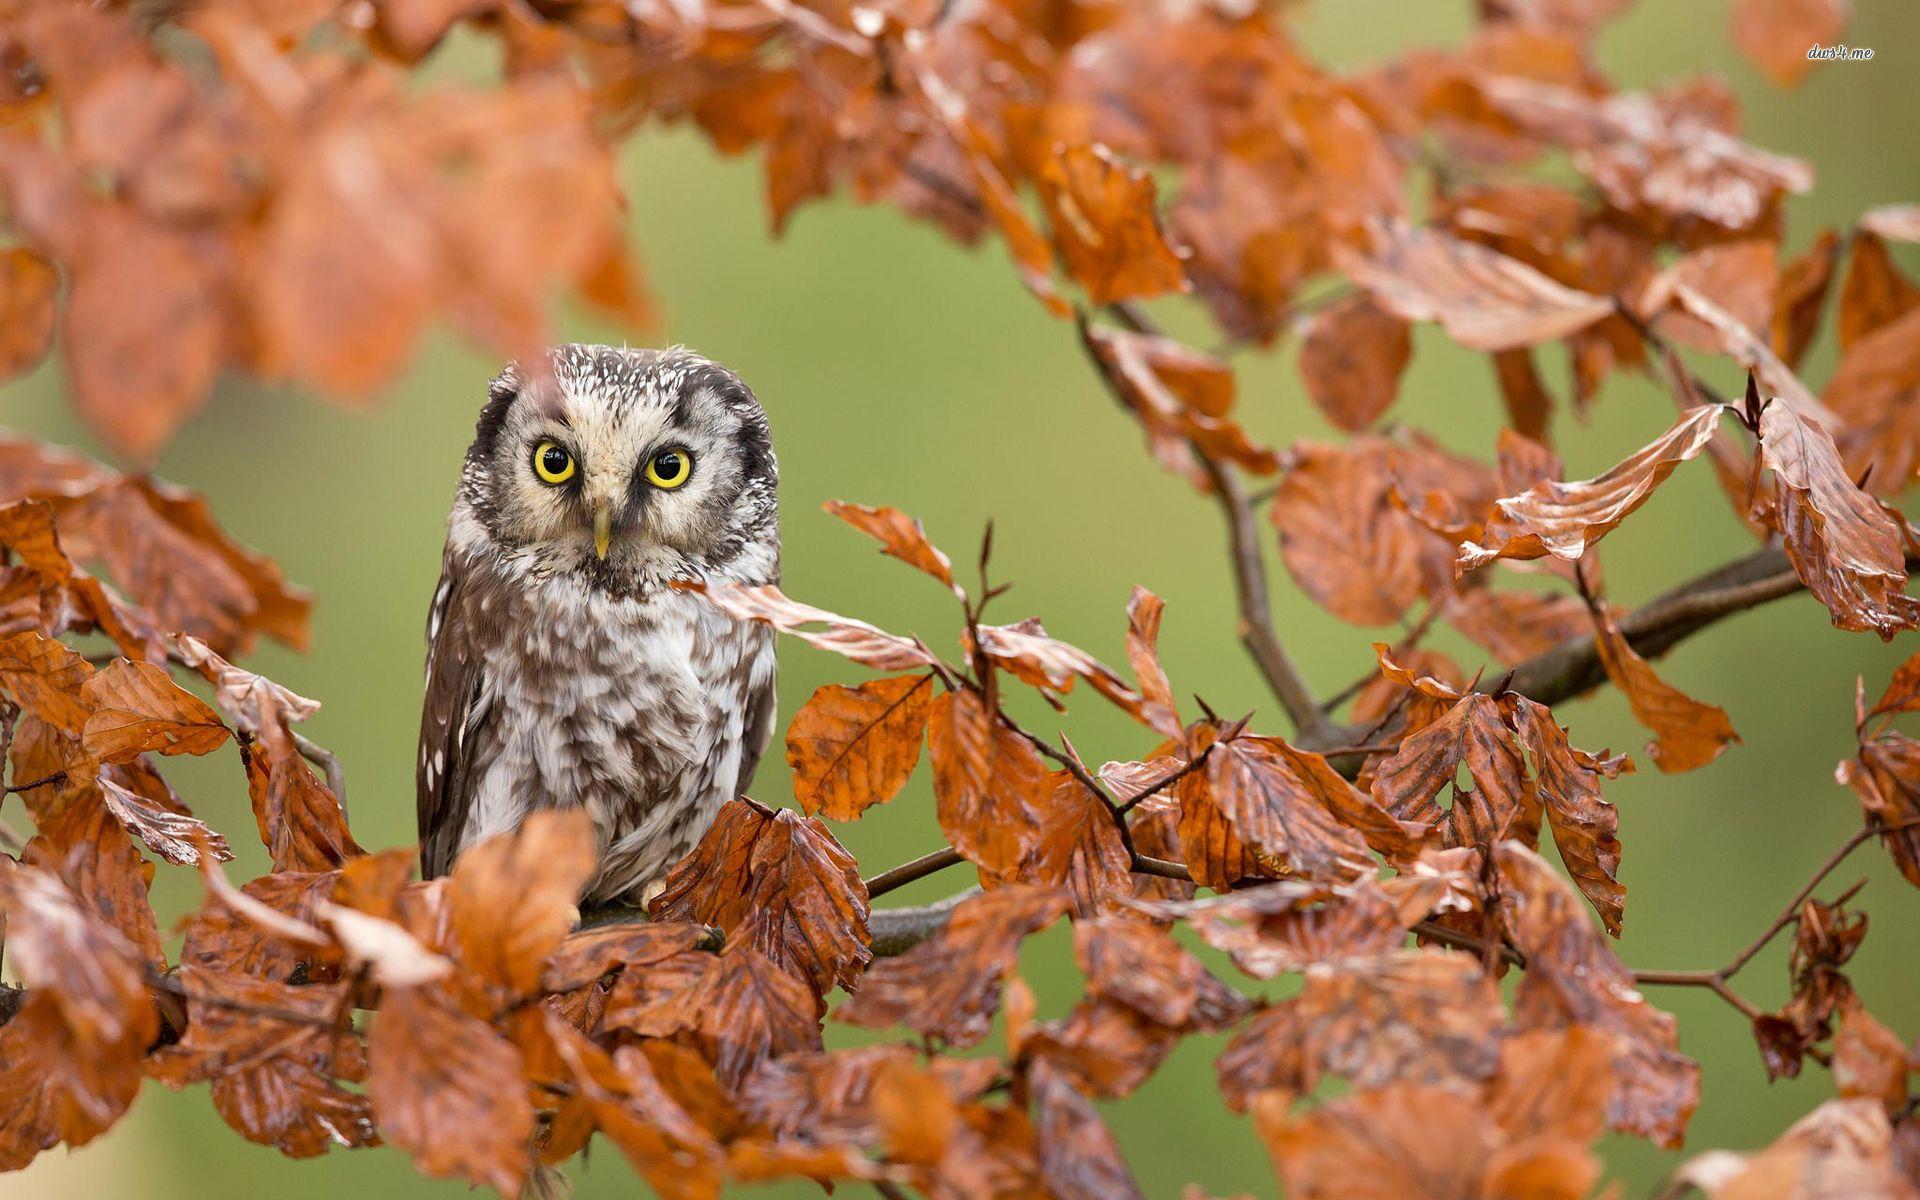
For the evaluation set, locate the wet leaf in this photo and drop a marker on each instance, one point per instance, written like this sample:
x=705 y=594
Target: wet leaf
x=1484 y=299
x=1565 y=519
x=1842 y=544
x=781 y=884
x=1688 y=733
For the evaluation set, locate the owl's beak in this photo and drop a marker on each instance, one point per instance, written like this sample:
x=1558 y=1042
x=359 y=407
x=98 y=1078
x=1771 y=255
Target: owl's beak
x=602 y=527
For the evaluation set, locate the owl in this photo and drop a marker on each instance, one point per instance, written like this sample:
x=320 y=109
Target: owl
x=563 y=668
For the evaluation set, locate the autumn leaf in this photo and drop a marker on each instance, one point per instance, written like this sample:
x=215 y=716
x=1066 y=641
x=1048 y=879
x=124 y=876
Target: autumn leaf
x=1484 y=299
x=949 y=986
x=1566 y=519
x=1842 y=544
x=1572 y=978
x=1351 y=360
x=1157 y=707
x=46 y=679
x=1885 y=775
x=512 y=896
x=1142 y=967
x=1503 y=801
x=989 y=784
x=779 y=883
x=857 y=640
x=1079 y=1158
x=1688 y=733
x=1586 y=829
x=1772 y=34
x=1103 y=220
x=136 y=707
x=739 y=1009
x=446 y=1088
x=1843 y=1147
x=1802 y=294
x=27 y=286
x=900 y=537
x=1874 y=293
x=275 y=1081
x=851 y=748
x=1407 y=1017
x=1352 y=548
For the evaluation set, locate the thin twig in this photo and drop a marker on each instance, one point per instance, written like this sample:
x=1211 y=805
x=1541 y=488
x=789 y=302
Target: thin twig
x=1257 y=633
x=329 y=765
x=1256 y=609
x=906 y=873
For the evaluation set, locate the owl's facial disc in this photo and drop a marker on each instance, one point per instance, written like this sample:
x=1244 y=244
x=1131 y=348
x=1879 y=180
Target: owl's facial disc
x=623 y=464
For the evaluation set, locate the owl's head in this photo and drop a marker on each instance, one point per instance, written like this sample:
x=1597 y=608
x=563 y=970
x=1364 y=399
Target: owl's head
x=617 y=462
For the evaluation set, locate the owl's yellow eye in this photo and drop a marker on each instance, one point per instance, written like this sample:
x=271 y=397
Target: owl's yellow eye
x=669 y=468
x=552 y=463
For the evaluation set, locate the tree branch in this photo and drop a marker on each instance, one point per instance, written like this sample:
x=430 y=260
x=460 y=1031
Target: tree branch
x=1249 y=562
x=1256 y=609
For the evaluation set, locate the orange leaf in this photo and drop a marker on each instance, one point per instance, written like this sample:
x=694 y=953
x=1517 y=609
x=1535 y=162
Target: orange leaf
x=989 y=784
x=1351 y=360
x=138 y=707
x=27 y=286
x=779 y=883
x=853 y=748
x=512 y=896
x=1484 y=299
x=1687 y=732
x=1565 y=519
x=1842 y=544
x=446 y=1087
x=900 y=537
x=1104 y=222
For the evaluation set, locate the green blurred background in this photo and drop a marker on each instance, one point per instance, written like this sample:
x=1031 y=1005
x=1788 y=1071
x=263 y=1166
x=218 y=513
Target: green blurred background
x=902 y=371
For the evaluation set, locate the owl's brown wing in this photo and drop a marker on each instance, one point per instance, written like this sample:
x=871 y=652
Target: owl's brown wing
x=757 y=734
x=453 y=720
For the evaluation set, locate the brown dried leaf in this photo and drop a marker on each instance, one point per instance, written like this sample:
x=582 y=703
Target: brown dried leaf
x=1142 y=967
x=45 y=678
x=1874 y=293
x=780 y=883
x=1565 y=519
x=949 y=986
x=1886 y=776
x=1484 y=299
x=1351 y=547
x=1410 y=1017
x=1503 y=801
x=1351 y=359
x=1844 y=1148
x=1688 y=733
x=989 y=783
x=845 y=636
x=1842 y=543
x=1157 y=707
x=1586 y=829
x=1572 y=978
x=1079 y=1158
x=512 y=896
x=1774 y=34
x=275 y=1080
x=738 y=1007
x=900 y=536
x=447 y=1089
x=853 y=748
x=27 y=286
x=136 y=707
x=1804 y=283
x=1104 y=222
